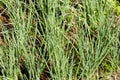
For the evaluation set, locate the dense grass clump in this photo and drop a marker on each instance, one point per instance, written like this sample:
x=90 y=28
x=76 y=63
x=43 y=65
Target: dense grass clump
x=59 y=40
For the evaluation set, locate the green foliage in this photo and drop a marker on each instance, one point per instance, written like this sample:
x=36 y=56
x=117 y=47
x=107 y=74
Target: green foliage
x=115 y=5
x=1 y=3
x=59 y=39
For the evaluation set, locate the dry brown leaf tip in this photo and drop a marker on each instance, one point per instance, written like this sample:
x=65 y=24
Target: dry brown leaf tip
x=4 y=20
